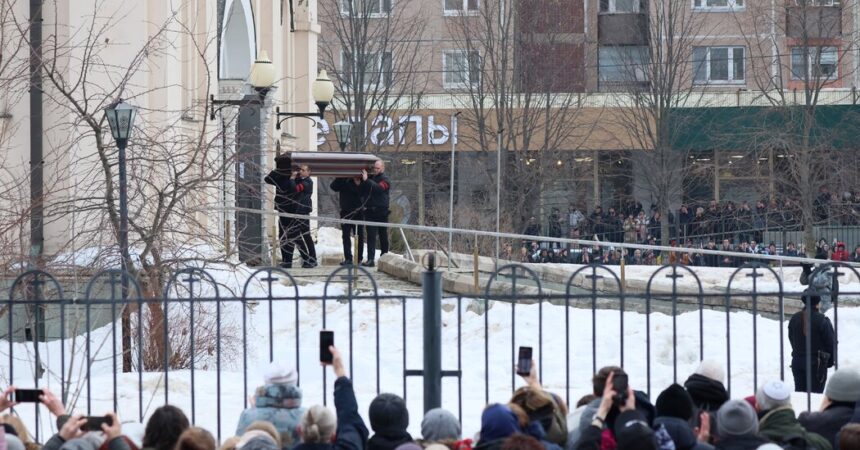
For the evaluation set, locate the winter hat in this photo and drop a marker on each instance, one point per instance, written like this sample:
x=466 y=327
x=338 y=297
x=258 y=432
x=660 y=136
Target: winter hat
x=736 y=418
x=13 y=442
x=633 y=433
x=498 y=421
x=388 y=415
x=773 y=394
x=78 y=444
x=843 y=386
x=712 y=369
x=277 y=373
x=439 y=424
x=769 y=446
x=675 y=402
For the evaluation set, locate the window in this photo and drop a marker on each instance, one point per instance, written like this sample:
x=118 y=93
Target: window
x=814 y=62
x=623 y=64
x=718 y=65
x=371 y=70
x=619 y=6
x=459 y=7
x=461 y=68
x=365 y=8
x=718 y=4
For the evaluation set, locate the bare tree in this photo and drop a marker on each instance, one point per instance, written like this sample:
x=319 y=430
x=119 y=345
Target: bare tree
x=374 y=48
x=652 y=81
x=517 y=96
x=805 y=48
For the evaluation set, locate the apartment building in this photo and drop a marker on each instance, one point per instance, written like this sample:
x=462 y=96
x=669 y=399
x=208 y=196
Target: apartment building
x=720 y=54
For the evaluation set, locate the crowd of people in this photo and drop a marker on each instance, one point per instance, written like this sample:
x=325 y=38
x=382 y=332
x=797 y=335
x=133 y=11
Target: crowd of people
x=614 y=416
x=631 y=223
x=718 y=226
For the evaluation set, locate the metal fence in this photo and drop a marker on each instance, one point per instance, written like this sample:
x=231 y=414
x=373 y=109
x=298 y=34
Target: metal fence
x=217 y=324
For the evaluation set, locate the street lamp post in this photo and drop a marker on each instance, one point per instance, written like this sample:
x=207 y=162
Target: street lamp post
x=322 y=91
x=120 y=117
x=451 y=187
x=343 y=131
x=250 y=124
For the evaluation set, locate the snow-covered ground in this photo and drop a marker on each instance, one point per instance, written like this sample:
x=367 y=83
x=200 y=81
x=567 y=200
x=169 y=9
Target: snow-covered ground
x=502 y=339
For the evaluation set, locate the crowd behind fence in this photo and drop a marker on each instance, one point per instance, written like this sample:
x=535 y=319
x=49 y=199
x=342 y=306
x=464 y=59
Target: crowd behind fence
x=767 y=228
x=212 y=333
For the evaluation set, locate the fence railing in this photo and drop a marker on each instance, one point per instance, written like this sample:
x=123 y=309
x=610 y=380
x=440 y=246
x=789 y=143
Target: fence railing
x=207 y=334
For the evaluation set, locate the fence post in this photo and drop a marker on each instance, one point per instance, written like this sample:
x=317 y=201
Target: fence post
x=432 y=290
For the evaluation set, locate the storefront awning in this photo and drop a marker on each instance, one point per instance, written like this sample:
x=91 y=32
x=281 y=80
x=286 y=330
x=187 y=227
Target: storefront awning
x=756 y=127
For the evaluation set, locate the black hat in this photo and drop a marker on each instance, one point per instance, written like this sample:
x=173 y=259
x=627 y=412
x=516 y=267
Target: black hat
x=633 y=433
x=388 y=415
x=675 y=401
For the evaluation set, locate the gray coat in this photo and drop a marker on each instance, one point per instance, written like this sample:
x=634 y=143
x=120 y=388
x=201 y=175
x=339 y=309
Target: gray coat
x=279 y=404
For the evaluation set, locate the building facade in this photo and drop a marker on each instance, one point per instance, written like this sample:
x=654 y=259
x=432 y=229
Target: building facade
x=578 y=68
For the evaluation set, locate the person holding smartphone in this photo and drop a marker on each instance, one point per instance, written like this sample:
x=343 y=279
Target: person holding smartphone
x=320 y=429
x=631 y=426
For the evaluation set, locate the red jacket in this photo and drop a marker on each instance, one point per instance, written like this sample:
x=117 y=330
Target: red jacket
x=840 y=254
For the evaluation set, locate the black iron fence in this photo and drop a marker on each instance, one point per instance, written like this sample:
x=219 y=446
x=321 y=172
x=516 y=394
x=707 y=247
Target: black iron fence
x=201 y=342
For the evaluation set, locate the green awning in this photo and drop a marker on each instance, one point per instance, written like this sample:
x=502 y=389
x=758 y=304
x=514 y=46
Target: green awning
x=754 y=127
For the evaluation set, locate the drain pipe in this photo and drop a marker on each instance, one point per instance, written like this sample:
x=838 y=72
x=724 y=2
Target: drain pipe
x=37 y=212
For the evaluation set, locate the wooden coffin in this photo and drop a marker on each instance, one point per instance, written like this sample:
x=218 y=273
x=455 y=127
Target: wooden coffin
x=328 y=164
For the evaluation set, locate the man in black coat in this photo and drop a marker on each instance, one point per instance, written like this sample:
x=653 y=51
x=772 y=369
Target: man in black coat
x=351 y=207
x=376 y=188
x=293 y=193
x=821 y=344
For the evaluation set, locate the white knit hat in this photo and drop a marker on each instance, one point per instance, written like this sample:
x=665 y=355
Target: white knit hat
x=712 y=369
x=277 y=373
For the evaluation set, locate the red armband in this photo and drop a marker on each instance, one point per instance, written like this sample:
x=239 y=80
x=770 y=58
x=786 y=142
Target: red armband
x=383 y=185
x=300 y=187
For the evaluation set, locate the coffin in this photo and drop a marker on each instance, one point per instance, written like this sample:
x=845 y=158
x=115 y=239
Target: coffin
x=328 y=164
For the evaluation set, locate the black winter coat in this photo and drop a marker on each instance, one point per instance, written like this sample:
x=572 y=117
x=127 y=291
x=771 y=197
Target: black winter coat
x=376 y=190
x=828 y=422
x=351 y=432
x=823 y=337
x=291 y=195
x=349 y=194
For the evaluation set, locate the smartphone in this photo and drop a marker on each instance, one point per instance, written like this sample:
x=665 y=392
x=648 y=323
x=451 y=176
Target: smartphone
x=94 y=423
x=619 y=385
x=524 y=362
x=326 y=340
x=26 y=395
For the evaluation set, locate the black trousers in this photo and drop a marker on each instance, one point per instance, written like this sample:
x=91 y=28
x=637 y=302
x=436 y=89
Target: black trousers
x=294 y=232
x=347 y=230
x=819 y=375
x=381 y=216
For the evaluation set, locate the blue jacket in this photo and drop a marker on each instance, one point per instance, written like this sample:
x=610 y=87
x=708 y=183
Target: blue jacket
x=351 y=432
x=279 y=404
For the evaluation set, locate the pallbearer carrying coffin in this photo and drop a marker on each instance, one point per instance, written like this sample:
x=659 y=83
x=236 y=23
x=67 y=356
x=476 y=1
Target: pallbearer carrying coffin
x=293 y=191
